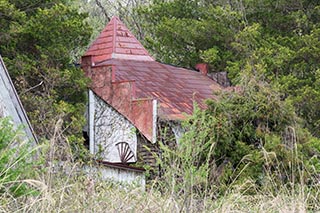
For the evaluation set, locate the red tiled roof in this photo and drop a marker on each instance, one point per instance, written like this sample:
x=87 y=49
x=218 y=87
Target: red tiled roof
x=116 y=41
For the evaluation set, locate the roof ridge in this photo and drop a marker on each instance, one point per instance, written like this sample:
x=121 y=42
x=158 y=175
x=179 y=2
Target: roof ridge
x=114 y=33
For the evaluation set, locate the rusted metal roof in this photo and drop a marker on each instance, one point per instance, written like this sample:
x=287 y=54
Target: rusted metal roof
x=175 y=88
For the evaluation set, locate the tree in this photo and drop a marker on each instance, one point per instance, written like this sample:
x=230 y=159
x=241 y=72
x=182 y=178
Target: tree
x=184 y=32
x=43 y=41
x=281 y=36
x=101 y=11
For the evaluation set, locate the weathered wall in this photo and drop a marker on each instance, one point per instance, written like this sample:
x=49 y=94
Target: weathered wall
x=98 y=171
x=110 y=128
x=117 y=174
x=121 y=96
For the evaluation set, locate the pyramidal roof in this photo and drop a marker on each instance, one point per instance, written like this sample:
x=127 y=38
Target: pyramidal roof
x=117 y=42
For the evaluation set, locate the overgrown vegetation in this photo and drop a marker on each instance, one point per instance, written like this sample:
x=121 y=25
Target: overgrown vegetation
x=40 y=43
x=69 y=189
x=184 y=187
x=256 y=148
x=16 y=161
x=281 y=37
x=250 y=141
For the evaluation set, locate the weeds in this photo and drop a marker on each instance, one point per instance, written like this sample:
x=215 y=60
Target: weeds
x=186 y=184
x=69 y=193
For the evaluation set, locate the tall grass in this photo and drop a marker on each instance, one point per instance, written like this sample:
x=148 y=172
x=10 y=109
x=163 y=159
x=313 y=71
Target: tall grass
x=75 y=191
x=69 y=189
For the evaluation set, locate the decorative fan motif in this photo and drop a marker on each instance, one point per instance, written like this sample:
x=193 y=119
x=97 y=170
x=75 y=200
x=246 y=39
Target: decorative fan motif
x=125 y=152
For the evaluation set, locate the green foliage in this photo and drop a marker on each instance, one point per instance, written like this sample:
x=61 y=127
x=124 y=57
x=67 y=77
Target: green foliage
x=186 y=166
x=250 y=135
x=179 y=32
x=15 y=160
x=280 y=36
x=43 y=41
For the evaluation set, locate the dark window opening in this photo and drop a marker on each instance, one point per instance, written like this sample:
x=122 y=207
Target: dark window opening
x=86 y=139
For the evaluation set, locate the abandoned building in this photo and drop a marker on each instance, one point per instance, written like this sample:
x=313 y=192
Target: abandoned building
x=132 y=96
x=10 y=104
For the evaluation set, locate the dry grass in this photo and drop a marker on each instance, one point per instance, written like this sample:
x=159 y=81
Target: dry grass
x=77 y=192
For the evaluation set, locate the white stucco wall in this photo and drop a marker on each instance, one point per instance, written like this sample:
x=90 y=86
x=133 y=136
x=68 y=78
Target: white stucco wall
x=110 y=127
x=120 y=175
x=104 y=172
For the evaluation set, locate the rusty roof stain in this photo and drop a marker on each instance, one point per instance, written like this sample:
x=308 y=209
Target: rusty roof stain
x=175 y=88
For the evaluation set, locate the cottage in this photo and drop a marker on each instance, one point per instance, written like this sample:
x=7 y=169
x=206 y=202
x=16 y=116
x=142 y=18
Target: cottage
x=10 y=105
x=132 y=97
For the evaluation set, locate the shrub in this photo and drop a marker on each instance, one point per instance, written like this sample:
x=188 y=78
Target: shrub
x=16 y=160
x=249 y=138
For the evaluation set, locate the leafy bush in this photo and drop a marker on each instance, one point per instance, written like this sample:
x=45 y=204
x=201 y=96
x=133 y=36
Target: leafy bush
x=16 y=160
x=249 y=136
x=41 y=44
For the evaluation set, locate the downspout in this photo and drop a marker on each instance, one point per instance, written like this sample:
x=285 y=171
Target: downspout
x=154 y=119
x=91 y=122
